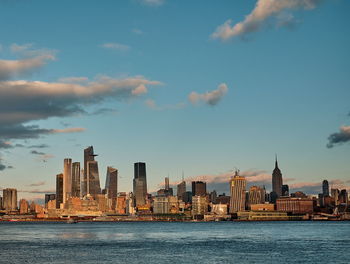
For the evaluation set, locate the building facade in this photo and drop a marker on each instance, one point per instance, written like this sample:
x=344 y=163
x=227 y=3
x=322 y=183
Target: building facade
x=140 y=184
x=238 y=193
x=76 y=179
x=9 y=202
x=199 y=188
x=295 y=205
x=59 y=190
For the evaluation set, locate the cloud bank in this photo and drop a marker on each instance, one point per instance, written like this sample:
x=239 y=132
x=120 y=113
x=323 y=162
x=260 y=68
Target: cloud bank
x=340 y=137
x=211 y=98
x=263 y=11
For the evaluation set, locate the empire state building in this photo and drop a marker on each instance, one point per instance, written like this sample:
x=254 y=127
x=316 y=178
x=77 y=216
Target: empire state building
x=277 y=181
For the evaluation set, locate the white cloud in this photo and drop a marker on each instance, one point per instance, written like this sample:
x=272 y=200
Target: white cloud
x=153 y=2
x=137 y=31
x=264 y=9
x=68 y=130
x=116 y=46
x=73 y=79
x=211 y=98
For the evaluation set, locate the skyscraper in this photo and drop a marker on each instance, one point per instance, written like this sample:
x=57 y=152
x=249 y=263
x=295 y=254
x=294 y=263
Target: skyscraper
x=166 y=183
x=238 y=193
x=325 y=188
x=112 y=183
x=256 y=195
x=140 y=184
x=199 y=188
x=181 y=189
x=76 y=179
x=59 y=190
x=277 y=181
x=9 y=199
x=93 y=180
x=285 y=190
x=67 y=179
x=88 y=156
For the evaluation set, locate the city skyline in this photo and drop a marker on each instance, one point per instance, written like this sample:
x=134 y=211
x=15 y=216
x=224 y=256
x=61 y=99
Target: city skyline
x=201 y=93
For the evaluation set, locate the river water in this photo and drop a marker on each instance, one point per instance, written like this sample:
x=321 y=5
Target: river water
x=175 y=242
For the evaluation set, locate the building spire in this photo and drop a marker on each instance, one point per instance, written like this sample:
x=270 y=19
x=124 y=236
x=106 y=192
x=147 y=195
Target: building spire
x=276 y=162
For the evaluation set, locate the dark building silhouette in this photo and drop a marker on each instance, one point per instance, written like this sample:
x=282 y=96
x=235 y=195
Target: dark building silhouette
x=140 y=184
x=199 y=188
x=59 y=190
x=111 y=187
x=277 y=181
x=181 y=189
x=49 y=197
x=187 y=197
x=76 y=179
x=325 y=188
x=285 y=190
x=88 y=156
x=93 y=180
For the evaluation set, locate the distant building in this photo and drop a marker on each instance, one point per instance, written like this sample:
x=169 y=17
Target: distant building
x=181 y=189
x=295 y=205
x=262 y=207
x=76 y=179
x=59 y=190
x=335 y=195
x=161 y=205
x=325 y=188
x=93 y=180
x=23 y=206
x=299 y=194
x=219 y=209
x=0 y=202
x=9 y=199
x=238 y=193
x=343 y=197
x=285 y=190
x=277 y=181
x=88 y=156
x=199 y=188
x=212 y=196
x=121 y=203
x=140 y=184
x=49 y=197
x=199 y=205
x=112 y=184
x=67 y=179
x=187 y=197
x=256 y=195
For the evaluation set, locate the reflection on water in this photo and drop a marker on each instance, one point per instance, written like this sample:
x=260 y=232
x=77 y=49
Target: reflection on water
x=152 y=242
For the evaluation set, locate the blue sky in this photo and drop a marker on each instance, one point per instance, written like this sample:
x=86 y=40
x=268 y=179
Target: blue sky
x=284 y=78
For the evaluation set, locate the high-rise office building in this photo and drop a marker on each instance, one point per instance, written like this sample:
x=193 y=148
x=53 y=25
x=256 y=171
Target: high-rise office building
x=181 y=189
x=167 y=186
x=325 y=188
x=23 y=206
x=93 y=180
x=256 y=195
x=112 y=183
x=88 y=156
x=277 y=181
x=76 y=179
x=49 y=197
x=199 y=188
x=0 y=202
x=9 y=199
x=140 y=184
x=285 y=190
x=238 y=193
x=59 y=190
x=67 y=179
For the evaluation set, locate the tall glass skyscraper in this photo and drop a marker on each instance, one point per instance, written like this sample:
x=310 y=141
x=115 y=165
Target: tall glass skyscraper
x=76 y=179
x=325 y=188
x=140 y=184
x=93 y=179
x=59 y=190
x=111 y=183
x=67 y=179
x=90 y=183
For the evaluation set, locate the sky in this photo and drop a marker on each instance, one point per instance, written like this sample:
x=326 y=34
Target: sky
x=199 y=88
